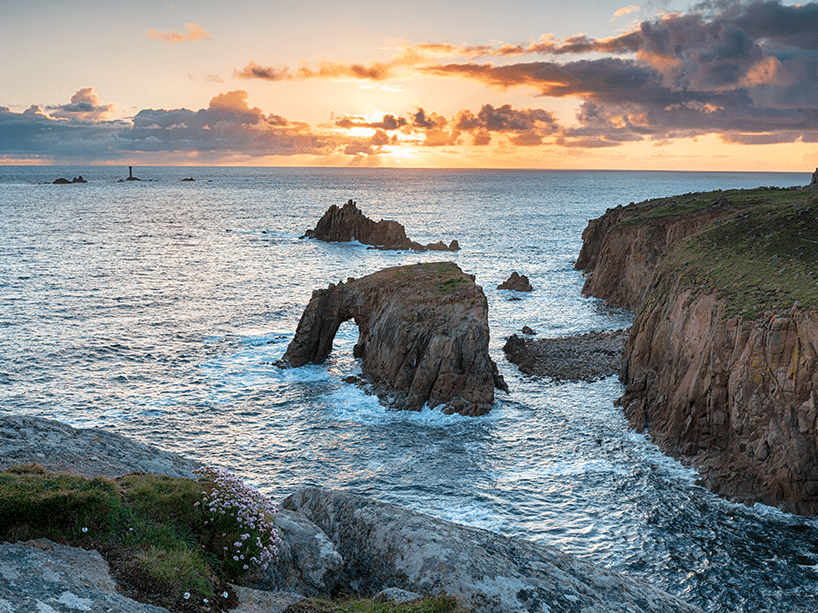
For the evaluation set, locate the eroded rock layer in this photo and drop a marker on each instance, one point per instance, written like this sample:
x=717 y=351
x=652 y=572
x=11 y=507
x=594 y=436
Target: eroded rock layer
x=424 y=335
x=619 y=256
x=737 y=399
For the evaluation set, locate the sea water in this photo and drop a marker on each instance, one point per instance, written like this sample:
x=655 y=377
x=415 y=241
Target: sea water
x=156 y=309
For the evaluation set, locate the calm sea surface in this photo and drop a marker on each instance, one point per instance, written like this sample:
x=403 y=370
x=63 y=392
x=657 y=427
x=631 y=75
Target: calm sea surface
x=156 y=308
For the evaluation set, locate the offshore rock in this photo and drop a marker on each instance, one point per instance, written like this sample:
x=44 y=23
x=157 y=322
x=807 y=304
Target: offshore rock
x=387 y=546
x=64 y=181
x=516 y=282
x=348 y=223
x=423 y=336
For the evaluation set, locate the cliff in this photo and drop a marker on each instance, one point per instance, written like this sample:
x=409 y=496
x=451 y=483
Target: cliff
x=423 y=335
x=721 y=365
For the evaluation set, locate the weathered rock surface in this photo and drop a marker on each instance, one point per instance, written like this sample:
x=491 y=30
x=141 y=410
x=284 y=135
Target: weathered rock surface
x=93 y=452
x=583 y=357
x=619 y=257
x=424 y=336
x=43 y=576
x=516 y=282
x=738 y=400
x=385 y=545
x=307 y=562
x=348 y=223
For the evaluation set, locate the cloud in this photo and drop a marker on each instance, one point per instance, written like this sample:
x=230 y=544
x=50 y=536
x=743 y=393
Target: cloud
x=626 y=10
x=214 y=78
x=84 y=105
x=374 y=71
x=228 y=127
x=194 y=32
x=749 y=72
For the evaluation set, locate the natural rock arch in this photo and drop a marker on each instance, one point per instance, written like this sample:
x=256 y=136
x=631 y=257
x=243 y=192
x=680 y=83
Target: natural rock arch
x=423 y=335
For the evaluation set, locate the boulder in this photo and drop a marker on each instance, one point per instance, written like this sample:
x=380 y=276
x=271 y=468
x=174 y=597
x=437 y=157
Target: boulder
x=385 y=545
x=64 y=181
x=91 y=452
x=307 y=562
x=348 y=223
x=40 y=575
x=516 y=282
x=589 y=357
x=423 y=336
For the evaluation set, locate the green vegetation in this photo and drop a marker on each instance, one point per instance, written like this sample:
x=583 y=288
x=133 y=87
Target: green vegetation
x=701 y=201
x=165 y=538
x=761 y=257
x=162 y=544
x=432 y=604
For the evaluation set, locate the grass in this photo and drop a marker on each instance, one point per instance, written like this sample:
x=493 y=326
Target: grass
x=162 y=544
x=147 y=527
x=761 y=257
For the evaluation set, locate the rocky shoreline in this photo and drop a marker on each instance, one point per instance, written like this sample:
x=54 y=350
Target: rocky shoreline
x=588 y=357
x=332 y=540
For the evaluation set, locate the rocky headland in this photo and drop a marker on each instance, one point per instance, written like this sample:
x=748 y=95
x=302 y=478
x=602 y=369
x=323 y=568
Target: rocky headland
x=332 y=541
x=348 y=223
x=423 y=336
x=721 y=364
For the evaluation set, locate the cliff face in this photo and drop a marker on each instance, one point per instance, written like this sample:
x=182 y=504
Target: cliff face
x=737 y=400
x=424 y=335
x=725 y=379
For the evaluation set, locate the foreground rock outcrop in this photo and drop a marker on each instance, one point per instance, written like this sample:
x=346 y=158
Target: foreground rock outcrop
x=348 y=223
x=332 y=541
x=718 y=369
x=89 y=452
x=424 y=336
x=385 y=545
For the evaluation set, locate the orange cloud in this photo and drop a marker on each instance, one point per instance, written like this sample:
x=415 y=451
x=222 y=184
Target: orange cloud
x=84 y=105
x=374 y=71
x=194 y=32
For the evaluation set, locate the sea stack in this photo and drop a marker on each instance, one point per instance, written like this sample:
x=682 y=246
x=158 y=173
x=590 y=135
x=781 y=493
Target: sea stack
x=348 y=223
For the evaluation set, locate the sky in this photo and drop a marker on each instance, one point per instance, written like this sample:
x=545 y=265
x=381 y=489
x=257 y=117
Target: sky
x=719 y=85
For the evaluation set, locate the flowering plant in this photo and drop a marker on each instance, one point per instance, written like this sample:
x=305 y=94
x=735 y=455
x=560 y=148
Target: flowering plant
x=238 y=518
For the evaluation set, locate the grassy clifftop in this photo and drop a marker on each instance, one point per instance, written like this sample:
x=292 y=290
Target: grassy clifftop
x=761 y=257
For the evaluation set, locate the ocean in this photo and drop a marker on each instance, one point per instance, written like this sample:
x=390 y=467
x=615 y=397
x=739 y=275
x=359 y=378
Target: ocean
x=156 y=309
